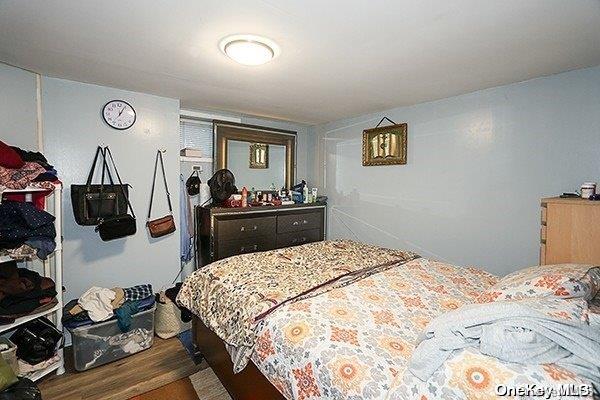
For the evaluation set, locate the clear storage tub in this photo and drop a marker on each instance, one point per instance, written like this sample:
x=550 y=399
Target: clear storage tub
x=102 y=343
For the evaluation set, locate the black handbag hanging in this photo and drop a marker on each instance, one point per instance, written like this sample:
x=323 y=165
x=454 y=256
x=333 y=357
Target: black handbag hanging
x=92 y=202
x=121 y=225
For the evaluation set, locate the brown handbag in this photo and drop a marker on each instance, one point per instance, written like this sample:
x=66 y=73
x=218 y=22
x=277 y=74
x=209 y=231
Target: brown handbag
x=161 y=226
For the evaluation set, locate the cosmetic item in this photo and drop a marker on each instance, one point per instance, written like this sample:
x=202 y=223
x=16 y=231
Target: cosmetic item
x=314 y=194
x=588 y=189
x=244 y=197
x=305 y=193
x=269 y=197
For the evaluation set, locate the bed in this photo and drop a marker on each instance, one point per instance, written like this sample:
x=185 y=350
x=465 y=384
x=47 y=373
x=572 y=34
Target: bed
x=349 y=334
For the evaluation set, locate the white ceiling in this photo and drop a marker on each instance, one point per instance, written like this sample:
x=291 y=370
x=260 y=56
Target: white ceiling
x=339 y=58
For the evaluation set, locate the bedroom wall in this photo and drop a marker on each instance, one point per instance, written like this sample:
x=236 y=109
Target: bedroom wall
x=73 y=127
x=478 y=165
x=18 y=107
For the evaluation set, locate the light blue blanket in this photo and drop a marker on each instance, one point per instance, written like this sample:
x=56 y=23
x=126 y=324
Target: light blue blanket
x=511 y=331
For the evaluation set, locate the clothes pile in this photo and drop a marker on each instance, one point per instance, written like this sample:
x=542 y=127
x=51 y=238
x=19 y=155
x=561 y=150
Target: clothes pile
x=26 y=230
x=23 y=292
x=20 y=169
x=101 y=304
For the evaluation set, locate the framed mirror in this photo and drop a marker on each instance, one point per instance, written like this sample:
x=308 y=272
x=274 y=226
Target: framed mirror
x=259 y=157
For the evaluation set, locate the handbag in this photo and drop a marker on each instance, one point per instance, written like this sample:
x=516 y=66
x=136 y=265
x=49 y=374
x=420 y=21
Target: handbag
x=165 y=225
x=92 y=202
x=193 y=183
x=37 y=340
x=121 y=225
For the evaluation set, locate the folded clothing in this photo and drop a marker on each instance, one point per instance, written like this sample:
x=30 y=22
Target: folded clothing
x=22 y=222
x=46 y=304
x=138 y=292
x=22 y=290
x=20 y=178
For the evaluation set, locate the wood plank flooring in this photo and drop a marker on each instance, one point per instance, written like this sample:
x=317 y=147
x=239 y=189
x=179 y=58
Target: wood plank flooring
x=164 y=363
x=178 y=390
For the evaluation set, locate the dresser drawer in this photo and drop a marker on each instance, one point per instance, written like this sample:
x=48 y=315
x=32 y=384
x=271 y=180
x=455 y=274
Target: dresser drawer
x=246 y=227
x=228 y=248
x=296 y=238
x=299 y=222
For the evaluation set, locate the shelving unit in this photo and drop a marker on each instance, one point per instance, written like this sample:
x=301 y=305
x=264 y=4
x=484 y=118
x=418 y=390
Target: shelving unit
x=196 y=159
x=52 y=268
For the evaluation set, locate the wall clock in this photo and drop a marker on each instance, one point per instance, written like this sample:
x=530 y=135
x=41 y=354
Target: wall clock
x=119 y=114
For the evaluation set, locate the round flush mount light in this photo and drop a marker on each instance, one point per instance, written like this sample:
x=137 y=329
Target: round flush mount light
x=249 y=49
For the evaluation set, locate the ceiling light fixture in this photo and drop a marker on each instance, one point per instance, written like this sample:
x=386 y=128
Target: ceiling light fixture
x=249 y=49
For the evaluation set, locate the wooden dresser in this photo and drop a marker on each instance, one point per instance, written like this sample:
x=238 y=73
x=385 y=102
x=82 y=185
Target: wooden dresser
x=570 y=231
x=226 y=232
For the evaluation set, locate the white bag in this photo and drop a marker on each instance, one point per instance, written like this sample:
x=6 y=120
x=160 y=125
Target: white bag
x=167 y=318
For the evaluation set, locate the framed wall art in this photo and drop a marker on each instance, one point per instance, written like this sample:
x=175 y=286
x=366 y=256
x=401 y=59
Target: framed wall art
x=259 y=156
x=385 y=145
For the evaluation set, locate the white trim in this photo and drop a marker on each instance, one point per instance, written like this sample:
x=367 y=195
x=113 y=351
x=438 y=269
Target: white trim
x=38 y=101
x=195 y=159
x=191 y=114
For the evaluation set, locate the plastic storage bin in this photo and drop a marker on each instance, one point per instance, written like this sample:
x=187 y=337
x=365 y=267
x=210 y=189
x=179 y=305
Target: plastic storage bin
x=102 y=343
x=10 y=354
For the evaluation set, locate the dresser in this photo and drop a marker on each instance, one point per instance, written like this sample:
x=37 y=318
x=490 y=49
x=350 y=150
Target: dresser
x=570 y=231
x=226 y=232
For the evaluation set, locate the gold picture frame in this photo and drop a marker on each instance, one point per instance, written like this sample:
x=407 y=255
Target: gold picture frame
x=385 y=145
x=259 y=156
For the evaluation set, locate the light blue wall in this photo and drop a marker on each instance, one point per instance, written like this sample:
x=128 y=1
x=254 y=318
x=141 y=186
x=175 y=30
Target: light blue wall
x=478 y=165
x=18 y=107
x=73 y=127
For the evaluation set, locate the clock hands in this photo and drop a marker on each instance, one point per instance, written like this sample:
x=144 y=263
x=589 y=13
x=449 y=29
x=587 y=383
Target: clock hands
x=121 y=112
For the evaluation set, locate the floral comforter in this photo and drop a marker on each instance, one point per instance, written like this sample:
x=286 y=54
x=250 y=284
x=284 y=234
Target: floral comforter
x=354 y=342
x=232 y=295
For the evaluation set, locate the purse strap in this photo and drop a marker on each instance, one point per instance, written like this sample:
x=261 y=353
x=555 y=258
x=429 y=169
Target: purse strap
x=162 y=167
x=105 y=170
x=112 y=160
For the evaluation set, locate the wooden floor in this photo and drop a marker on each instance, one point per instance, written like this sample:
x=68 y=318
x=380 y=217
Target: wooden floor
x=164 y=363
x=178 y=390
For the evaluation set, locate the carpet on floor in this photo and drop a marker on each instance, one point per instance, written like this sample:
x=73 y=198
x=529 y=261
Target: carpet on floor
x=208 y=387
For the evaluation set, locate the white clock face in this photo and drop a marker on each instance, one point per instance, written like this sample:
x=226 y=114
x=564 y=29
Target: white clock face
x=119 y=114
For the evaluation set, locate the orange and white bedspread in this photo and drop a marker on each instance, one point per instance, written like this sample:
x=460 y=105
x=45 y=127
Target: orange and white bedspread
x=355 y=342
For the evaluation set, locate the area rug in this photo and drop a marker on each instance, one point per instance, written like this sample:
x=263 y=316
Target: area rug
x=207 y=386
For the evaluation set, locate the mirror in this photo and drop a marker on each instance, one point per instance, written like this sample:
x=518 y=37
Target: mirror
x=260 y=158
x=257 y=165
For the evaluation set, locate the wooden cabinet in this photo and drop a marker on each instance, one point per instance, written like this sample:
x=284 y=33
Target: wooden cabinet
x=226 y=232
x=570 y=231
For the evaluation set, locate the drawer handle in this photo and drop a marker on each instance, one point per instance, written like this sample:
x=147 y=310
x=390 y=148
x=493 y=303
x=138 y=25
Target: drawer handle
x=296 y=223
x=299 y=240
x=252 y=248
x=304 y=222
x=243 y=228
